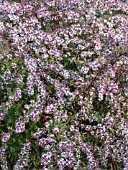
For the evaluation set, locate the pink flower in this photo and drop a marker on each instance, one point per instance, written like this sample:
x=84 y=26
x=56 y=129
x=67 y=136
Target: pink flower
x=46 y=158
x=64 y=117
x=112 y=74
x=6 y=6
x=55 y=129
x=1 y=56
x=20 y=127
x=5 y=137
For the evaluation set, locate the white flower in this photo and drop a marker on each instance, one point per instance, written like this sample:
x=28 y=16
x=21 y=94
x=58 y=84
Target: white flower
x=85 y=69
x=71 y=128
x=26 y=106
x=2 y=28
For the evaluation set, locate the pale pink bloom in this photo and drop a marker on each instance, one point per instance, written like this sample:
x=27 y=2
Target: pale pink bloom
x=46 y=158
x=112 y=74
x=56 y=129
x=20 y=127
x=5 y=137
x=1 y=56
x=14 y=65
x=98 y=46
x=64 y=117
x=6 y=6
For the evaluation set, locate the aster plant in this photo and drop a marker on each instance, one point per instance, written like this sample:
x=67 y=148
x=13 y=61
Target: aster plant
x=63 y=85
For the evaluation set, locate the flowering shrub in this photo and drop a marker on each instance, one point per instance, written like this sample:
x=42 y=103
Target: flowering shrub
x=63 y=95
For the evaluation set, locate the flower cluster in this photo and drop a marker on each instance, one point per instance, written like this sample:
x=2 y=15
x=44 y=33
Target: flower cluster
x=23 y=158
x=63 y=85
